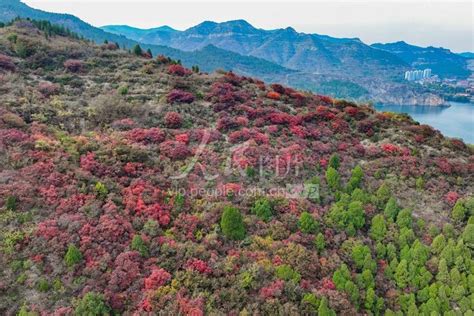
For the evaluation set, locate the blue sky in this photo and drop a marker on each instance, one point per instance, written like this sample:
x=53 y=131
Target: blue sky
x=422 y=22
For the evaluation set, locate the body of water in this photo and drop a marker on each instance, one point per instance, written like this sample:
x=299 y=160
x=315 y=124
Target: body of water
x=454 y=121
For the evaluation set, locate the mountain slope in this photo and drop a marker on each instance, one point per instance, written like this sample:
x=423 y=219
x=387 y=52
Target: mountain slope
x=133 y=186
x=10 y=9
x=322 y=62
x=468 y=55
x=442 y=61
x=147 y=36
x=211 y=58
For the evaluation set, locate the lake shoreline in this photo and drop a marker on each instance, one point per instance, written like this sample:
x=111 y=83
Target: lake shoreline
x=455 y=120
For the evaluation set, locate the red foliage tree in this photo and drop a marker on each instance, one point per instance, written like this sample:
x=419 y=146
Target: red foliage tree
x=180 y=96
x=366 y=126
x=298 y=131
x=6 y=63
x=198 y=265
x=190 y=307
x=232 y=78
x=187 y=224
x=239 y=136
x=278 y=88
x=109 y=46
x=174 y=150
x=114 y=229
x=225 y=123
x=273 y=290
x=126 y=270
x=124 y=124
x=390 y=148
x=146 y=136
x=144 y=199
x=132 y=168
x=88 y=162
x=444 y=165
x=325 y=99
x=273 y=95
x=173 y=120
x=13 y=136
x=48 y=89
x=157 y=278
x=280 y=118
x=328 y=284
x=48 y=229
x=178 y=70
x=182 y=138
x=451 y=197
x=242 y=120
x=224 y=96
x=73 y=65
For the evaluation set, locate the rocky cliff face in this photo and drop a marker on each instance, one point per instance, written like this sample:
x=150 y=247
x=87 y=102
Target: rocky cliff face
x=401 y=94
x=422 y=99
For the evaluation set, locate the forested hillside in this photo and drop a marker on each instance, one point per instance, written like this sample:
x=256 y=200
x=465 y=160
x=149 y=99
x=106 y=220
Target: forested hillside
x=130 y=185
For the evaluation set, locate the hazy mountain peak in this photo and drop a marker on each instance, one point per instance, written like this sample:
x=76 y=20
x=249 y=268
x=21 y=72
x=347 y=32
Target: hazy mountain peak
x=238 y=22
x=166 y=28
x=203 y=28
x=126 y=28
x=233 y=26
x=289 y=29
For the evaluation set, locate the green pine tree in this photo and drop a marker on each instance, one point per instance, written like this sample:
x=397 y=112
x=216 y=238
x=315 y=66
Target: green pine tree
x=356 y=179
x=232 y=224
x=404 y=219
x=438 y=244
x=137 y=50
x=378 y=229
x=11 y=203
x=443 y=274
x=391 y=209
x=324 y=309
x=401 y=274
x=459 y=211
x=320 y=242
x=92 y=304
x=148 y=51
x=382 y=195
x=333 y=179
x=334 y=161
x=263 y=209
x=308 y=224
x=73 y=255
x=138 y=244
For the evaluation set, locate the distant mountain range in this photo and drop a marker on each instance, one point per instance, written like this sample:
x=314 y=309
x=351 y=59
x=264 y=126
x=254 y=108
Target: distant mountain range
x=442 y=61
x=299 y=51
x=208 y=58
x=342 y=67
x=468 y=55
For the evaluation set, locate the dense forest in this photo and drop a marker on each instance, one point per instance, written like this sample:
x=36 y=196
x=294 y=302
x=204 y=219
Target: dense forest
x=131 y=185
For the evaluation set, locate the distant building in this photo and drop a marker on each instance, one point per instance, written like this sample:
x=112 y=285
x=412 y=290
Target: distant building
x=426 y=73
x=416 y=75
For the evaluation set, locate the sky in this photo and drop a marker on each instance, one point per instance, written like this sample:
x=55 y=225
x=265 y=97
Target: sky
x=447 y=23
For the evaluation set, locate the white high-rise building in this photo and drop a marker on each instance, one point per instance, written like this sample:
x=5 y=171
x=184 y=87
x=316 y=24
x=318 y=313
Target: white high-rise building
x=416 y=75
x=426 y=73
